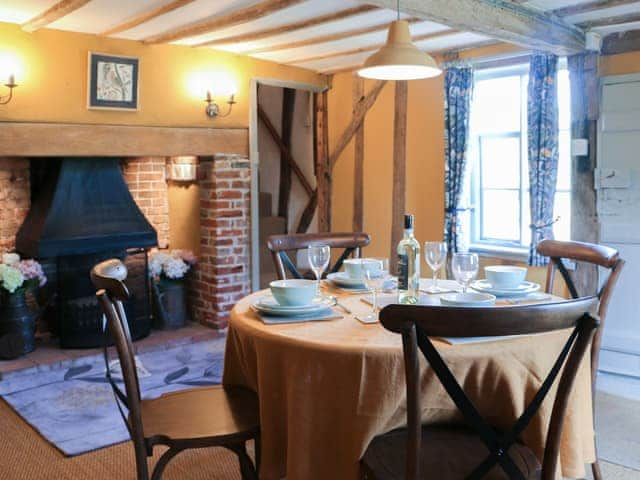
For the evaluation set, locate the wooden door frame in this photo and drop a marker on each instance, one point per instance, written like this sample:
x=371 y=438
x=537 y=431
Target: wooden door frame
x=255 y=161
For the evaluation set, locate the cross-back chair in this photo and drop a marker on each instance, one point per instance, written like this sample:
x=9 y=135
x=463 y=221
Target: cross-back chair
x=476 y=450
x=193 y=418
x=280 y=245
x=597 y=255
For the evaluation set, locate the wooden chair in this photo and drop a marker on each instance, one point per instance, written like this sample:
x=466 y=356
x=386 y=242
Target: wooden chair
x=194 y=418
x=597 y=255
x=279 y=245
x=477 y=450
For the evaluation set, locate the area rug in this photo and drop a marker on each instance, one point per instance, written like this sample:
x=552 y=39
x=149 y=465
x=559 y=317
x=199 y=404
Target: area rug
x=74 y=408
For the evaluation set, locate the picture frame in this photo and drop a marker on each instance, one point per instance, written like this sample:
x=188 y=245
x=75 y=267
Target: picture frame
x=112 y=82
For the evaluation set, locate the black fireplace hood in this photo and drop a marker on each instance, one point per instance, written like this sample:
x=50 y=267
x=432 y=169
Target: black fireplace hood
x=83 y=206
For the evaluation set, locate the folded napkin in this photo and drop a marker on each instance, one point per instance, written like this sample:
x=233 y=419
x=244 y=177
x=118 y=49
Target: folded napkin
x=328 y=314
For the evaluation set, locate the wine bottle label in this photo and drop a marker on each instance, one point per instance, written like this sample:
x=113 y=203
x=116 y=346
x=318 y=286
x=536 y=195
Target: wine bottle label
x=403 y=272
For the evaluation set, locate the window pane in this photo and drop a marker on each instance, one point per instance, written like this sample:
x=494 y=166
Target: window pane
x=496 y=105
x=564 y=161
x=501 y=215
x=562 y=209
x=564 y=100
x=500 y=160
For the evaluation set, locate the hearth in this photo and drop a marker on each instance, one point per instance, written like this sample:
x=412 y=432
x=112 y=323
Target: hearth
x=82 y=212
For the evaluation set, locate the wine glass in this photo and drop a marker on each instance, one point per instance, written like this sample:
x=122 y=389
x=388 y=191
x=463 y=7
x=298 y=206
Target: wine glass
x=435 y=254
x=319 y=256
x=465 y=268
x=374 y=276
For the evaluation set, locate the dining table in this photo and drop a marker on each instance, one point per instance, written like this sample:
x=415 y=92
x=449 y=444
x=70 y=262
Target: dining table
x=327 y=388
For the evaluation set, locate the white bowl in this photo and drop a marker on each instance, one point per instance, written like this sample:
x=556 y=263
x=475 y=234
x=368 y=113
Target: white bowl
x=468 y=299
x=294 y=292
x=505 y=276
x=356 y=267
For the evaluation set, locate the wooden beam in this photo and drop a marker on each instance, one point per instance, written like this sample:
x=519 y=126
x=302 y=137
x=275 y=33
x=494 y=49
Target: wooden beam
x=236 y=17
x=55 y=12
x=146 y=16
x=76 y=140
x=369 y=48
x=288 y=106
x=381 y=27
x=621 y=42
x=589 y=7
x=321 y=136
x=608 y=21
x=307 y=213
x=264 y=118
x=358 y=170
x=288 y=28
x=499 y=19
x=399 y=187
x=357 y=118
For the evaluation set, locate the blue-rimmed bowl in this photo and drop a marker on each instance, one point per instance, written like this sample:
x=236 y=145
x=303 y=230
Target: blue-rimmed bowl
x=294 y=292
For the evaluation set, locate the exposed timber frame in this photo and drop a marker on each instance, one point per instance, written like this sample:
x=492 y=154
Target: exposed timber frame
x=399 y=187
x=53 y=13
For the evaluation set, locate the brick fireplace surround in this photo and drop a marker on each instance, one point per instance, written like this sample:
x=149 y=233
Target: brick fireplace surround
x=222 y=274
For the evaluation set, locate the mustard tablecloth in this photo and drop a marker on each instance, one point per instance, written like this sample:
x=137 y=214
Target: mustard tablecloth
x=327 y=388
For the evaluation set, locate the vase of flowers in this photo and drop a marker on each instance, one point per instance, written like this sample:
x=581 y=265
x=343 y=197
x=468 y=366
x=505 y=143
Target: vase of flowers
x=19 y=278
x=167 y=270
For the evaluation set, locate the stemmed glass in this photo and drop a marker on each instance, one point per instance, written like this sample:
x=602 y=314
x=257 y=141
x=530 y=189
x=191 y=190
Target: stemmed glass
x=435 y=254
x=374 y=277
x=319 y=256
x=465 y=268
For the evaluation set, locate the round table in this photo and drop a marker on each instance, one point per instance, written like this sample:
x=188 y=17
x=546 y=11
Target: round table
x=326 y=388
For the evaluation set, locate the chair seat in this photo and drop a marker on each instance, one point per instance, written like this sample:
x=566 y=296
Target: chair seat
x=201 y=413
x=446 y=453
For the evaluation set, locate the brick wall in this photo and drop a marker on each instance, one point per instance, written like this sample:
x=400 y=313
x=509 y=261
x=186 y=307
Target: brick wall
x=14 y=198
x=146 y=178
x=222 y=275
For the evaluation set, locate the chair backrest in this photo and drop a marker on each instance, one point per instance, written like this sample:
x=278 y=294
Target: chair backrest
x=279 y=245
x=417 y=323
x=597 y=255
x=107 y=278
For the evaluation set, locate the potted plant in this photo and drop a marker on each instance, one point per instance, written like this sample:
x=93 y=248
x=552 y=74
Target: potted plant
x=167 y=270
x=18 y=278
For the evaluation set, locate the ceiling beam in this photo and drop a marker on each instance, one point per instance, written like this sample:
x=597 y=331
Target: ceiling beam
x=589 y=7
x=146 y=16
x=55 y=12
x=368 y=48
x=621 y=42
x=288 y=28
x=235 y=17
x=499 y=19
x=381 y=27
x=609 y=21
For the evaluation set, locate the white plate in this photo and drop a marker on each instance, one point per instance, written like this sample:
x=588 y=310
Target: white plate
x=469 y=299
x=343 y=280
x=270 y=306
x=523 y=289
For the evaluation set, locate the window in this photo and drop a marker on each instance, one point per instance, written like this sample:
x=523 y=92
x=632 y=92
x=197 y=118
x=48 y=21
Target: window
x=499 y=182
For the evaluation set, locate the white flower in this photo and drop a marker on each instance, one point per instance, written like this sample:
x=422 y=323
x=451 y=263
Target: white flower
x=10 y=258
x=175 y=268
x=11 y=278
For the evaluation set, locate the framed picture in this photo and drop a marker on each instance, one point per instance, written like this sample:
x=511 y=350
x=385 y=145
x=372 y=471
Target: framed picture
x=113 y=82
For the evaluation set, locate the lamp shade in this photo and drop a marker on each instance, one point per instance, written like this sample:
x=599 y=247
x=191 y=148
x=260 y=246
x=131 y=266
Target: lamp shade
x=399 y=59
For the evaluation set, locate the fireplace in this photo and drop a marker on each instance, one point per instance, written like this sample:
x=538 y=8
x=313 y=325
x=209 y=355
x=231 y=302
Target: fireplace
x=82 y=212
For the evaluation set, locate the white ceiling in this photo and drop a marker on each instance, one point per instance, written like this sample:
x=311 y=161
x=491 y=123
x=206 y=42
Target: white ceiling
x=98 y=16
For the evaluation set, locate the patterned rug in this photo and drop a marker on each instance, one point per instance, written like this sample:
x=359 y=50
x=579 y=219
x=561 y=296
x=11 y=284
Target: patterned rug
x=74 y=408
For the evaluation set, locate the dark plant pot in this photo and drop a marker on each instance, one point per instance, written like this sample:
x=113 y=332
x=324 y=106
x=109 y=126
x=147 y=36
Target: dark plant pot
x=170 y=304
x=17 y=318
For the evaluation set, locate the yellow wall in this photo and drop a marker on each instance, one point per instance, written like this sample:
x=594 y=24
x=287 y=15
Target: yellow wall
x=53 y=86
x=620 y=64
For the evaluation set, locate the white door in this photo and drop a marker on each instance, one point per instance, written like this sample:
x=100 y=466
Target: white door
x=618 y=192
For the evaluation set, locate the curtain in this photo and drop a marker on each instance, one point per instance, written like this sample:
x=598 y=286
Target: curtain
x=458 y=89
x=542 y=122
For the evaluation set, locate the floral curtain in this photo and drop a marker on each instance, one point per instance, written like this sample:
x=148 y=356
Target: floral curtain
x=458 y=89
x=542 y=121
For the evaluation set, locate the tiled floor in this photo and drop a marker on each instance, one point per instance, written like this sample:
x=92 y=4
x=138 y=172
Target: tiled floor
x=49 y=355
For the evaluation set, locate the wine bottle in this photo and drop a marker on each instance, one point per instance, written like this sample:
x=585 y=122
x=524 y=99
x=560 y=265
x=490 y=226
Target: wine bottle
x=408 y=265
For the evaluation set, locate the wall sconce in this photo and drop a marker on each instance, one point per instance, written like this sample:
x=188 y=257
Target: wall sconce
x=11 y=84
x=213 y=109
x=182 y=169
